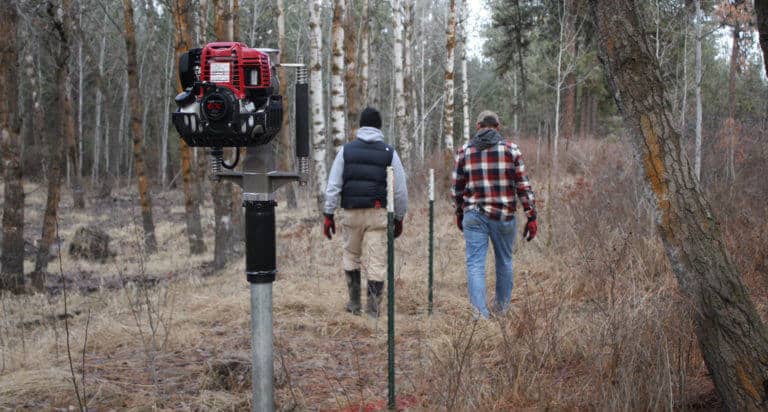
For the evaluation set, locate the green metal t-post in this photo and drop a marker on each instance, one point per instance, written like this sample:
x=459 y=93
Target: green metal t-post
x=431 y=237
x=391 y=288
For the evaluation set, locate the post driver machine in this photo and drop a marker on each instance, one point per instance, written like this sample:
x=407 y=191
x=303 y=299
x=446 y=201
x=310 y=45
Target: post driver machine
x=230 y=99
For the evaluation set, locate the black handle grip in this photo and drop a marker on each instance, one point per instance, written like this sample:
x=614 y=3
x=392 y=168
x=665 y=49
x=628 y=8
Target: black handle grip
x=302 y=120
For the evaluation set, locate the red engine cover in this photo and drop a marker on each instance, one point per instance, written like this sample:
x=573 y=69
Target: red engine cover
x=235 y=66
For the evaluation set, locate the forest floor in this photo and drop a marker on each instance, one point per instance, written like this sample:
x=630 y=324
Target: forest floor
x=586 y=330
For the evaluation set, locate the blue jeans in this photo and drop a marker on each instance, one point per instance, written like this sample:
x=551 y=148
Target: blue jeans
x=477 y=229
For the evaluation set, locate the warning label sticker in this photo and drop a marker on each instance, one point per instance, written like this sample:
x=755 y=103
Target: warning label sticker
x=220 y=72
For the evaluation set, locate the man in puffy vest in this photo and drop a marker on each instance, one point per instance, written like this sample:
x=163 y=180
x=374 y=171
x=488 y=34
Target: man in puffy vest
x=359 y=177
x=487 y=175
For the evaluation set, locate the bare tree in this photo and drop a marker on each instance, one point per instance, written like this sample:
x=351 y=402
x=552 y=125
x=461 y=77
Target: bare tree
x=320 y=141
x=351 y=42
x=222 y=192
x=569 y=98
x=731 y=335
x=56 y=152
x=464 y=77
x=761 y=9
x=12 y=263
x=180 y=11
x=401 y=125
x=99 y=109
x=150 y=243
x=697 y=88
x=448 y=92
x=365 y=56
x=64 y=36
x=338 y=98
x=286 y=155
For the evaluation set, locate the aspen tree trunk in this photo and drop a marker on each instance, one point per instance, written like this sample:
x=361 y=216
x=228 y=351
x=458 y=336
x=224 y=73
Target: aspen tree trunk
x=732 y=337
x=168 y=72
x=80 y=96
x=464 y=77
x=684 y=103
x=234 y=9
x=121 y=128
x=761 y=9
x=515 y=104
x=338 y=98
x=411 y=112
x=286 y=154
x=56 y=151
x=365 y=57
x=12 y=259
x=422 y=82
x=64 y=36
x=319 y=141
x=569 y=97
x=238 y=211
x=450 y=45
x=584 y=107
x=150 y=243
x=351 y=23
x=699 y=111
x=730 y=123
x=558 y=102
x=222 y=192
x=99 y=109
x=401 y=126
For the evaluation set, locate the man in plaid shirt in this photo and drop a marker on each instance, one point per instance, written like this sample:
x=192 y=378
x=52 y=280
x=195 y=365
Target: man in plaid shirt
x=487 y=175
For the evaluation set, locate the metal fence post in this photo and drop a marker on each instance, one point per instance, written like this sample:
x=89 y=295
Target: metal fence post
x=431 y=237
x=391 y=287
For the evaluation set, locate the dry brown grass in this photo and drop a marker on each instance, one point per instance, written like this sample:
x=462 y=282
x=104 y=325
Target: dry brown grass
x=596 y=320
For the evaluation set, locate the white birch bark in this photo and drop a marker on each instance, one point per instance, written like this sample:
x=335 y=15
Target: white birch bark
x=464 y=77
x=697 y=150
x=422 y=96
x=365 y=57
x=338 y=97
x=448 y=105
x=319 y=141
x=401 y=124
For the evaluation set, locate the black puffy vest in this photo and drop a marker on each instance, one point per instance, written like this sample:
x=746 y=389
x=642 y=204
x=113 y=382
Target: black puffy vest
x=365 y=174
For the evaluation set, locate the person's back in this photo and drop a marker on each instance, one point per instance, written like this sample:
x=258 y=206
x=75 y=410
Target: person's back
x=358 y=178
x=488 y=175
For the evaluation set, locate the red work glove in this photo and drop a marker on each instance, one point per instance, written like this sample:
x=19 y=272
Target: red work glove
x=398 y=228
x=530 y=229
x=329 y=226
x=459 y=219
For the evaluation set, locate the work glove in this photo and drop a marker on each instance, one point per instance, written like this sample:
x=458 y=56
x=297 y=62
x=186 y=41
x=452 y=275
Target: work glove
x=398 y=228
x=329 y=226
x=530 y=229
x=459 y=219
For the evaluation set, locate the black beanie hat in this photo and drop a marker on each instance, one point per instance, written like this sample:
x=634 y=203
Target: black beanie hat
x=370 y=117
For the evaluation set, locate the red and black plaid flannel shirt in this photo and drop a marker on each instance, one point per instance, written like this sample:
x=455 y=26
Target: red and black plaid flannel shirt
x=488 y=180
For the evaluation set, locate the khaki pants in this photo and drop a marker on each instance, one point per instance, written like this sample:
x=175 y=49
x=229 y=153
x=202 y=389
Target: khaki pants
x=365 y=231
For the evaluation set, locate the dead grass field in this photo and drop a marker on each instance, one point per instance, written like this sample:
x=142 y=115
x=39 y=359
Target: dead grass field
x=597 y=321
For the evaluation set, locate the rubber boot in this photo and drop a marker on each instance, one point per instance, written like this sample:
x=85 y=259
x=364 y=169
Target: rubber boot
x=374 y=298
x=353 y=287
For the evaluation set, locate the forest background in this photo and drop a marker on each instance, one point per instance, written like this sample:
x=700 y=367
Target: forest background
x=599 y=320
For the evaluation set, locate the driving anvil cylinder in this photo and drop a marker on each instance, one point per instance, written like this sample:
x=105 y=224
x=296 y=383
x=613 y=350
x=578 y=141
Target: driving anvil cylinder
x=260 y=251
